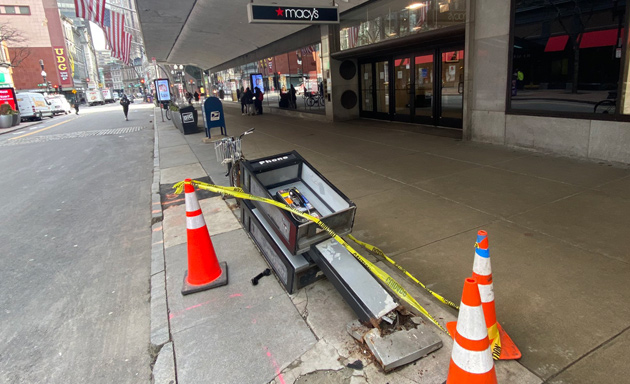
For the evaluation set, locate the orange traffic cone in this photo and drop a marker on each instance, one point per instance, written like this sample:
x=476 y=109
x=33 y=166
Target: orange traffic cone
x=503 y=348
x=204 y=270
x=471 y=358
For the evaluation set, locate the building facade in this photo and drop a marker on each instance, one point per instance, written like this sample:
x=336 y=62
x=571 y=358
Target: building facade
x=548 y=76
x=41 y=43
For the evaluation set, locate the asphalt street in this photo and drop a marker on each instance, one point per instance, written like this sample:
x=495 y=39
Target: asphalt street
x=75 y=248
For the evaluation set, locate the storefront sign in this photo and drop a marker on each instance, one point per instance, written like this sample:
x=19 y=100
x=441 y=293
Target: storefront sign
x=7 y=96
x=292 y=15
x=163 y=90
x=63 y=67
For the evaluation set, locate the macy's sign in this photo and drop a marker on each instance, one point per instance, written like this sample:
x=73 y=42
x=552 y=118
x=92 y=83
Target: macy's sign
x=299 y=13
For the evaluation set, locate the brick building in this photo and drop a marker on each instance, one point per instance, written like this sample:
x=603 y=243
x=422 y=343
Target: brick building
x=39 y=23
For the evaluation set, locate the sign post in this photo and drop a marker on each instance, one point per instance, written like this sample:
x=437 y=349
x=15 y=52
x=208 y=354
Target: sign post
x=162 y=93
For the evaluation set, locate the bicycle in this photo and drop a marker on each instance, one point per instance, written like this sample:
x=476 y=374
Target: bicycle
x=167 y=110
x=313 y=99
x=228 y=151
x=608 y=105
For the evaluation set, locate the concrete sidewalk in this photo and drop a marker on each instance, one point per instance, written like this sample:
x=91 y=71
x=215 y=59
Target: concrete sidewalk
x=557 y=230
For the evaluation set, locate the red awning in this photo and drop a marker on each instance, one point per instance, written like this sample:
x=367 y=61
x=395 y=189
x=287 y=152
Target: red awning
x=603 y=38
x=556 y=43
x=424 y=59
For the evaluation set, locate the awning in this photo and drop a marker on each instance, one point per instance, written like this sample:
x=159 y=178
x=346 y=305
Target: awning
x=605 y=38
x=556 y=43
x=424 y=59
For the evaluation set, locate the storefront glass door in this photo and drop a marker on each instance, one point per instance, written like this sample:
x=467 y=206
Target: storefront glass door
x=452 y=92
x=367 y=88
x=424 y=89
x=382 y=87
x=403 y=88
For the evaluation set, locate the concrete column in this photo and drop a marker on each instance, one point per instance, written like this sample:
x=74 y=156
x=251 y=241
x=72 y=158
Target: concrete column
x=340 y=89
x=487 y=50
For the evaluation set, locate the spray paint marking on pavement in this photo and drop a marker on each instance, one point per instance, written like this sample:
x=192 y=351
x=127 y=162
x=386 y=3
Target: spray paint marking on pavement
x=275 y=365
x=43 y=129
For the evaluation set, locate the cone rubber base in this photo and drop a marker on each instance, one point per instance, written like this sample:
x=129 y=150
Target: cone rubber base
x=509 y=350
x=219 y=281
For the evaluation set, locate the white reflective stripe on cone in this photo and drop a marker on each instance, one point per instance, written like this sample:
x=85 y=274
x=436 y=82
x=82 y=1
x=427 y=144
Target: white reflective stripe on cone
x=487 y=293
x=192 y=204
x=195 y=222
x=481 y=265
x=477 y=362
x=471 y=323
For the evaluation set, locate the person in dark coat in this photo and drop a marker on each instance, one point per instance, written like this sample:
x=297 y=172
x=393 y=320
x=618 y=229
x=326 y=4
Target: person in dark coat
x=293 y=97
x=125 y=104
x=258 y=99
x=246 y=98
x=196 y=96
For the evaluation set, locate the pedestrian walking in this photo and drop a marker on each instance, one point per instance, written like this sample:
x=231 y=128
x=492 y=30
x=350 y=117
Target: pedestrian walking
x=76 y=106
x=196 y=96
x=125 y=104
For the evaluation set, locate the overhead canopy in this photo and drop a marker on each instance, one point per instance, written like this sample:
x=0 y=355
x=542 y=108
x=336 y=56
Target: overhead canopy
x=207 y=33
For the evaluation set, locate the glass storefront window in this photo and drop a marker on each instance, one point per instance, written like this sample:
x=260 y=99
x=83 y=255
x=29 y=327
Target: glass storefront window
x=386 y=20
x=567 y=56
x=301 y=68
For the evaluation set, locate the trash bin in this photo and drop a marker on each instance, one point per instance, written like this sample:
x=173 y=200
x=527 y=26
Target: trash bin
x=186 y=120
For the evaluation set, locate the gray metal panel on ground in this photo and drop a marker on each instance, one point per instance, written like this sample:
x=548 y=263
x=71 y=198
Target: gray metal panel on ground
x=297 y=261
x=358 y=282
x=402 y=347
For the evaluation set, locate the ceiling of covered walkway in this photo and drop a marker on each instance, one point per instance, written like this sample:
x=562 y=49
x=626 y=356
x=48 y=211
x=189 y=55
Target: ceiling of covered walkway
x=207 y=33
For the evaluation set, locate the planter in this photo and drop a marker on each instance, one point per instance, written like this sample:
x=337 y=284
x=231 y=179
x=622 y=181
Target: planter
x=6 y=121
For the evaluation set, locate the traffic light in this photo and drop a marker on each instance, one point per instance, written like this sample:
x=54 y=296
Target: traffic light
x=60 y=88
x=55 y=86
x=141 y=81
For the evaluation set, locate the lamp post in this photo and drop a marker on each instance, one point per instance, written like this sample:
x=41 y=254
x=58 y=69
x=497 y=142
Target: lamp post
x=178 y=72
x=41 y=64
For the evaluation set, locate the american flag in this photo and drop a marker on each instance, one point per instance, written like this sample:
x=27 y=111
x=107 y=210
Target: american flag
x=353 y=37
x=126 y=48
x=423 y=17
x=93 y=10
x=114 y=26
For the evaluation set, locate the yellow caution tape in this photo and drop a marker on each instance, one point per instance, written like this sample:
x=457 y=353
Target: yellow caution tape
x=376 y=271
x=377 y=251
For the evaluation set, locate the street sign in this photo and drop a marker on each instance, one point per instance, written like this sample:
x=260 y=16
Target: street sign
x=281 y=14
x=41 y=85
x=74 y=91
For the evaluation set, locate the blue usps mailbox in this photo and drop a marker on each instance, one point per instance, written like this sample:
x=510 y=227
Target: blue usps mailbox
x=213 y=115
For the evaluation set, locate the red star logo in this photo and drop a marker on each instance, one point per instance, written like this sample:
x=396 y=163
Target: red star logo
x=280 y=12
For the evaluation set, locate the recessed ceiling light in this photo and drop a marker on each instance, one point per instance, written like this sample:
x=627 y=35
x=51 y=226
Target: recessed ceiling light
x=415 y=5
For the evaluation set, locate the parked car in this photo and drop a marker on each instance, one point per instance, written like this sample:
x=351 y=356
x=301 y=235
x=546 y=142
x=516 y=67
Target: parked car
x=33 y=106
x=59 y=104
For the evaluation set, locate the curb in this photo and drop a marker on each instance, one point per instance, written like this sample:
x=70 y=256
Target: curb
x=161 y=347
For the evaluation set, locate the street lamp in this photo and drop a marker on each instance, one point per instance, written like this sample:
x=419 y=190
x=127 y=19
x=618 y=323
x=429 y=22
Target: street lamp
x=178 y=72
x=41 y=64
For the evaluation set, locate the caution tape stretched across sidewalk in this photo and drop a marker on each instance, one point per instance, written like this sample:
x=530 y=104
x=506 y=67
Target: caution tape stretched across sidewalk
x=379 y=273
x=377 y=251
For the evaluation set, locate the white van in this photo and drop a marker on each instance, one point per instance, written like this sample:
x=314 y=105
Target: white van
x=59 y=104
x=33 y=106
